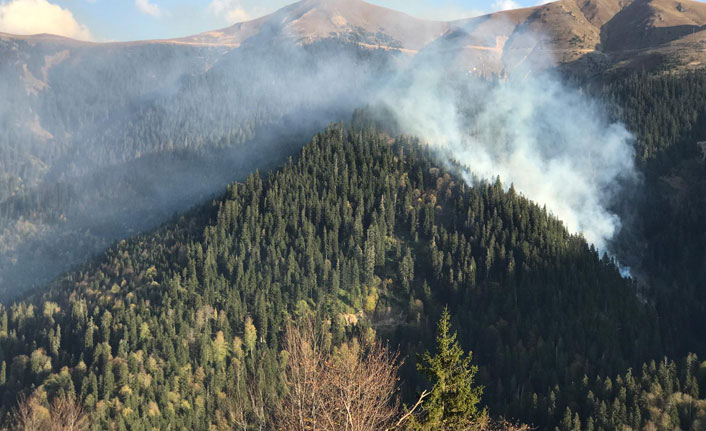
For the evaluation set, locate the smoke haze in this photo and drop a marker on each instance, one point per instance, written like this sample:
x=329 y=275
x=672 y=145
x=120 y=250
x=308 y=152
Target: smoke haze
x=102 y=142
x=529 y=128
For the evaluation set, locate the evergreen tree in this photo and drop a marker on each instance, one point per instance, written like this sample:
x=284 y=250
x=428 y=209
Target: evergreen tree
x=452 y=403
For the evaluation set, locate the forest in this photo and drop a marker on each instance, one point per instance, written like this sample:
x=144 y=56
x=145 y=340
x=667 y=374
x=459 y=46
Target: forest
x=368 y=236
x=666 y=236
x=125 y=139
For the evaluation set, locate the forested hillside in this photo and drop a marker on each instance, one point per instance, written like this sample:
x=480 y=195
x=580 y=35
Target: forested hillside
x=665 y=236
x=367 y=232
x=99 y=143
x=178 y=253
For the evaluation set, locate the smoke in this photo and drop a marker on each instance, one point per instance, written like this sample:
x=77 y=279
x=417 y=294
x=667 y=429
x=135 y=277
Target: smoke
x=101 y=142
x=104 y=142
x=499 y=5
x=529 y=128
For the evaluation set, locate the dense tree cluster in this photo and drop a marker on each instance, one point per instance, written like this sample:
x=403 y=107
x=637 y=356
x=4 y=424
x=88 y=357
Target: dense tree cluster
x=663 y=395
x=361 y=230
x=667 y=112
x=366 y=235
x=665 y=233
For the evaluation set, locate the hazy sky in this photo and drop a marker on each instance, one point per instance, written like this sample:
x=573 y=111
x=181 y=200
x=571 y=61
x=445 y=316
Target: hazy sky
x=106 y=20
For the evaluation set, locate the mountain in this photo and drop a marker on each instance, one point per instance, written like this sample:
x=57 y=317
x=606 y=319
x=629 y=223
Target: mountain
x=588 y=37
x=101 y=140
x=311 y=20
x=605 y=34
x=365 y=231
x=642 y=24
x=371 y=235
x=598 y=35
x=176 y=206
x=104 y=140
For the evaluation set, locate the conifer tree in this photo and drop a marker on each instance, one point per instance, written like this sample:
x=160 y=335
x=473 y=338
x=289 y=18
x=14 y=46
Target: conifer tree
x=452 y=403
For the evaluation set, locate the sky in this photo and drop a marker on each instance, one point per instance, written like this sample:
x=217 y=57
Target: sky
x=122 y=20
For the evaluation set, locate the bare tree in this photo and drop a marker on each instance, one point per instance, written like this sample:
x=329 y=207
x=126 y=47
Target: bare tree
x=352 y=389
x=361 y=389
x=64 y=414
x=301 y=408
x=245 y=411
x=29 y=415
x=67 y=414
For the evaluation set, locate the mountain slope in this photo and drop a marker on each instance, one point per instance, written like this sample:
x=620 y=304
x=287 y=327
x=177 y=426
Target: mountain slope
x=361 y=229
x=73 y=110
x=647 y=24
x=101 y=141
x=601 y=33
x=311 y=20
x=589 y=37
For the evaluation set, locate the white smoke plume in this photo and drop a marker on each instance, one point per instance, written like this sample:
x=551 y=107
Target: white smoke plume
x=551 y=141
x=175 y=123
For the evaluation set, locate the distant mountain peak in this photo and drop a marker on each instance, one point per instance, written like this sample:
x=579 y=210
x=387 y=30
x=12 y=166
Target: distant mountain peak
x=311 y=20
x=331 y=2
x=589 y=36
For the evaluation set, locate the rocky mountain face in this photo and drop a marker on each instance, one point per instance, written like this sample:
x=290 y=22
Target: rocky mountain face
x=589 y=38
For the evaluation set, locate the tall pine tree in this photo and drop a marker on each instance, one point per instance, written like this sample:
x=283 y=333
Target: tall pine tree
x=452 y=403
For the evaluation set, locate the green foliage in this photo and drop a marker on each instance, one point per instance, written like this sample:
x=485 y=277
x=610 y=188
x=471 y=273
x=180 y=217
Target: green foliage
x=665 y=111
x=453 y=400
x=666 y=241
x=362 y=230
x=662 y=396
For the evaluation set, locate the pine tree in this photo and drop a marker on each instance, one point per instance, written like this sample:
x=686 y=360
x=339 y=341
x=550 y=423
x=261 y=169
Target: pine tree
x=452 y=403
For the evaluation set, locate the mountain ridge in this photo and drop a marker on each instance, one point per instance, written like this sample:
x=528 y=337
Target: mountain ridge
x=58 y=127
x=605 y=33
x=310 y=20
